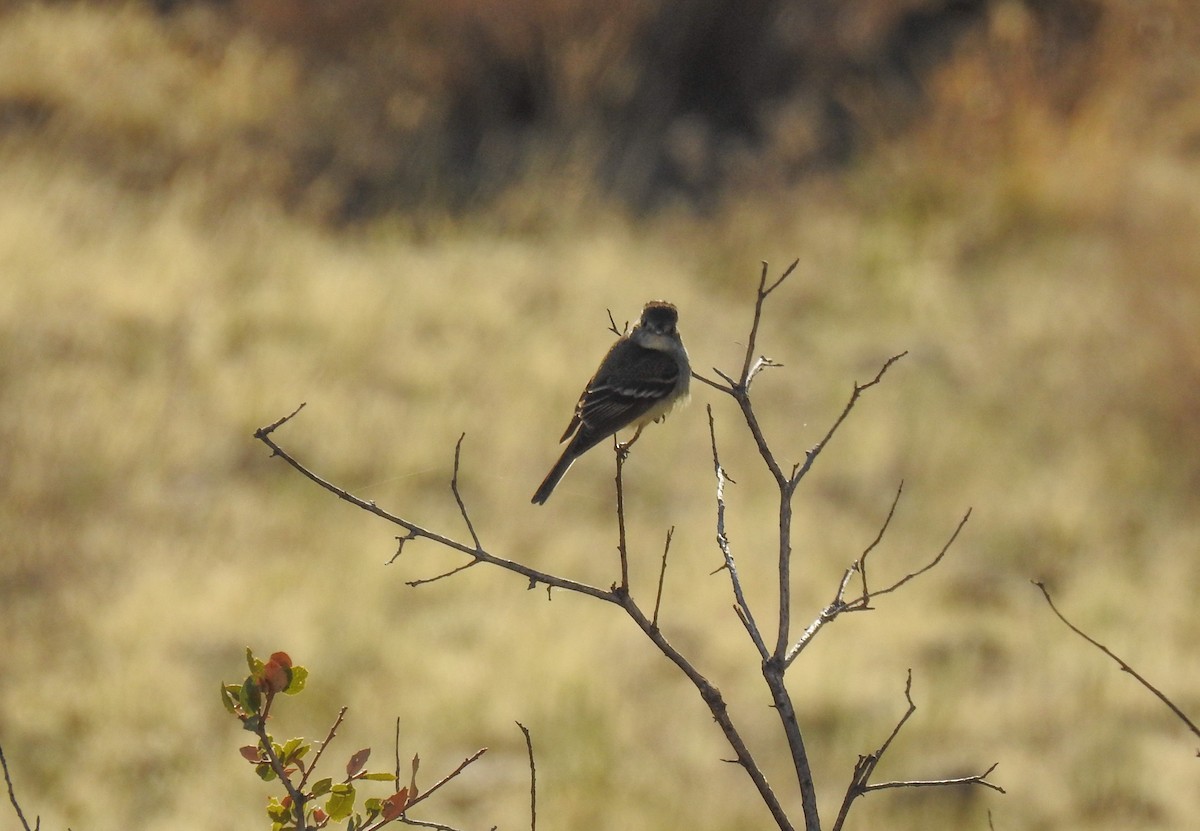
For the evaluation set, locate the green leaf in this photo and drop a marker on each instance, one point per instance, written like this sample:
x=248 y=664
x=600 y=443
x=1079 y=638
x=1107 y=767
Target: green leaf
x=294 y=749
x=251 y=723
x=252 y=662
x=229 y=697
x=341 y=802
x=265 y=772
x=299 y=678
x=277 y=812
x=380 y=777
x=250 y=696
x=322 y=786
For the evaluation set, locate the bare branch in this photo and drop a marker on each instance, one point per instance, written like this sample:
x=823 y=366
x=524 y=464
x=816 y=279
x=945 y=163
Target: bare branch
x=976 y=779
x=827 y=615
x=716 y=705
x=299 y=798
x=662 y=576
x=12 y=797
x=759 y=365
x=420 y=823
x=462 y=509
x=321 y=750
x=861 y=564
x=396 y=746
x=799 y=472
x=426 y=580
x=263 y=432
x=622 y=550
x=840 y=605
x=532 y=778
x=400 y=541
x=763 y=292
x=742 y=607
x=860 y=781
x=414 y=530
x=461 y=767
x=612 y=325
x=913 y=575
x=714 y=384
x=1125 y=667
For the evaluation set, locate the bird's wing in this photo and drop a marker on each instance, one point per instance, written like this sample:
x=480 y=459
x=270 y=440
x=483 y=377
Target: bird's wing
x=619 y=395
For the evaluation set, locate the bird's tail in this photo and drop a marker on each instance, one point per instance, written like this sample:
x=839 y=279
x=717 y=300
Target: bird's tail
x=557 y=472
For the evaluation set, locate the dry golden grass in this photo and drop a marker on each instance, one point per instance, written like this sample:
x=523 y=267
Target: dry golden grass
x=1046 y=289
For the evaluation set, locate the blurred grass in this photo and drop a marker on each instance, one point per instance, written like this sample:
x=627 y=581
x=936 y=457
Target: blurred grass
x=1030 y=239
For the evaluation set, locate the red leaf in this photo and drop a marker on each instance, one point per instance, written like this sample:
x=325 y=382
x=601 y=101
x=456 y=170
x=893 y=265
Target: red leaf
x=395 y=804
x=251 y=753
x=357 y=761
x=276 y=676
x=282 y=658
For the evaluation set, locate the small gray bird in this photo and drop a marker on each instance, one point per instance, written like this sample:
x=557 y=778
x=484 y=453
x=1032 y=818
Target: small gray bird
x=642 y=378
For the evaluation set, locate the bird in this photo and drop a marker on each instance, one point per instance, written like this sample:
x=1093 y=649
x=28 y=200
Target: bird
x=643 y=377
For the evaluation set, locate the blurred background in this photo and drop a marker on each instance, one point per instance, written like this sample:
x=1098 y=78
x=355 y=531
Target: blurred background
x=414 y=217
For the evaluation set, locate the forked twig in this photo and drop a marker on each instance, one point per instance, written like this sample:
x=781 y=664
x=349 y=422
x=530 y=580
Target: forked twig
x=860 y=781
x=414 y=530
x=840 y=605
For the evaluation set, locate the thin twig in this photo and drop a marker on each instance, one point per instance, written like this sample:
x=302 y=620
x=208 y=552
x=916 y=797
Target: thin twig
x=337 y=722
x=860 y=781
x=1125 y=667
x=742 y=607
x=461 y=767
x=622 y=453
x=662 y=576
x=12 y=797
x=532 y=778
x=716 y=705
x=827 y=615
x=462 y=508
x=763 y=292
x=396 y=745
x=861 y=564
x=420 y=823
x=612 y=325
x=414 y=530
x=299 y=798
x=942 y=553
x=976 y=779
x=858 y=390
x=263 y=432
x=400 y=541
x=863 y=603
x=424 y=580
